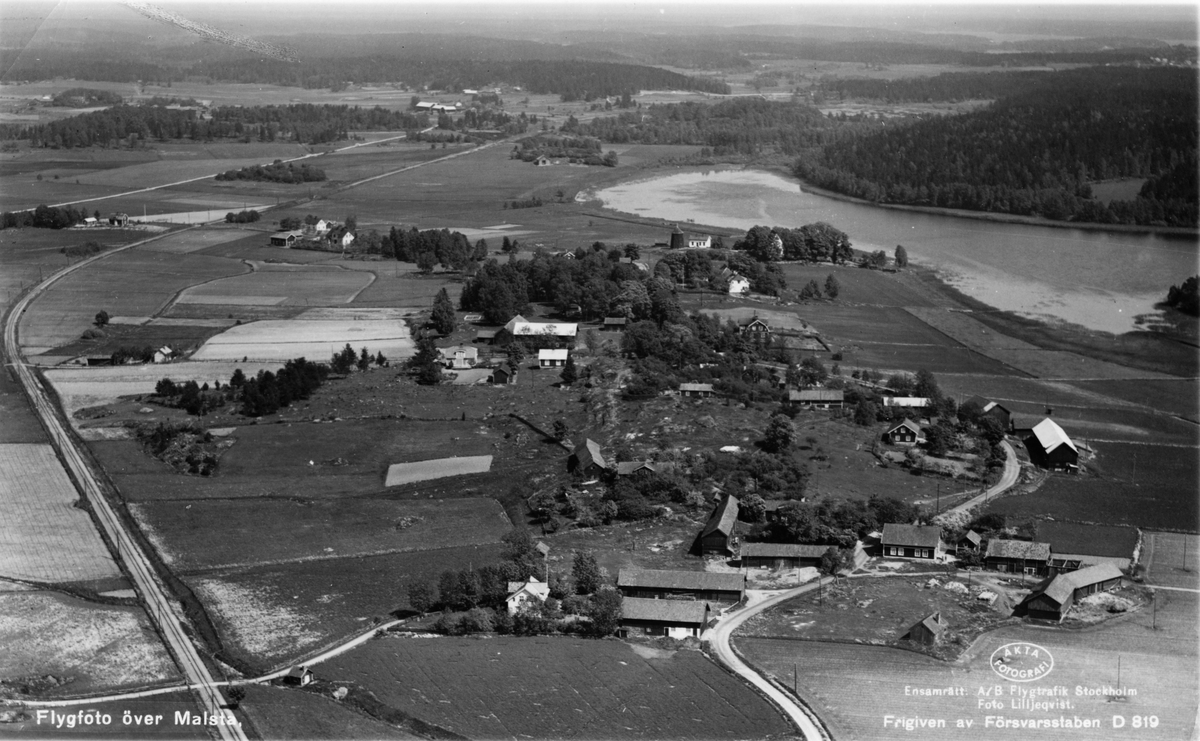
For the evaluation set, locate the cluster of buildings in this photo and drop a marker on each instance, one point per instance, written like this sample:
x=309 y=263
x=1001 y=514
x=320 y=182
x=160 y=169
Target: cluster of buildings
x=329 y=233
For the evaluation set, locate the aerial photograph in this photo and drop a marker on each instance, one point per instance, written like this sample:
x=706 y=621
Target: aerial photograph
x=599 y=370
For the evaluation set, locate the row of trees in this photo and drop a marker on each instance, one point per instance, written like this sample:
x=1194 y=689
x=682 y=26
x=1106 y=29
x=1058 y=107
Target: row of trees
x=276 y=172
x=43 y=217
x=816 y=242
x=265 y=393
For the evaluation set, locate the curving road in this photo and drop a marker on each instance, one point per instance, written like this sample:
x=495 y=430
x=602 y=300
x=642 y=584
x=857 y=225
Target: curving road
x=1012 y=469
x=757 y=601
x=160 y=607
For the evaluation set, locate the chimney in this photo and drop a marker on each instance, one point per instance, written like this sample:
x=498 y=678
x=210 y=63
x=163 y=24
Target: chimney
x=1049 y=411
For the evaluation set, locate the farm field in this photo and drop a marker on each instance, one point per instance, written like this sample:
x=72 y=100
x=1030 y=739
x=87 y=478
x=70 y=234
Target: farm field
x=880 y=612
x=1163 y=497
x=271 y=531
x=93 y=647
x=271 y=615
x=1172 y=559
x=194 y=240
x=400 y=474
x=557 y=688
x=44 y=537
x=864 y=287
x=182 y=338
x=165 y=705
x=1181 y=397
x=283 y=340
x=271 y=284
x=286 y=714
x=131 y=283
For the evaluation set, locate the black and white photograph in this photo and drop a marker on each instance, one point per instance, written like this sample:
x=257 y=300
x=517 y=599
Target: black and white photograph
x=499 y=370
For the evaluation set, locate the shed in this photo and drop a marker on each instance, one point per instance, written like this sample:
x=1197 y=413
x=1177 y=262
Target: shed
x=615 y=323
x=970 y=541
x=486 y=336
x=1050 y=447
x=912 y=541
x=701 y=585
x=903 y=433
x=664 y=617
x=927 y=632
x=695 y=242
x=1017 y=557
x=298 y=676
x=587 y=459
x=542 y=161
x=1054 y=597
x=718 y=533
x=503 y=376
x=552 y=358
x=285 y=239
x=781 y=555
x=696 y=389
x=817 y=398
x=635 y=468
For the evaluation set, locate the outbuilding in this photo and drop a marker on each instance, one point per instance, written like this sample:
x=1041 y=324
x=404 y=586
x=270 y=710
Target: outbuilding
x=503 y=376
x=782 y=555
x=636 y=468
x=927 y=632
x=817 y=398
x=1017 y=557
x=710 y=586
x=718 y=533
x=702 y=390
x=1054 y=597
x=298 y=676
x=988 y=408
x=912 y=541
x=664 y=617
x=552 y=358
x=587 y=459
x=615 y=323
x=285 y=239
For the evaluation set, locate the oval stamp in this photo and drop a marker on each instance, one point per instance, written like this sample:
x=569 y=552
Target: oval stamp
x=1022 y=662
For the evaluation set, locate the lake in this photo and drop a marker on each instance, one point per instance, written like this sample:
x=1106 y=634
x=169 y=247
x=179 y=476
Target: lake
x=1100 y=280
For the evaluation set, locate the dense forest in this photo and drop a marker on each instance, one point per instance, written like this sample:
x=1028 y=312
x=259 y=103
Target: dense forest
x=740 y=125
x=126 y=124
x=1186 y=296
x=1035 y=152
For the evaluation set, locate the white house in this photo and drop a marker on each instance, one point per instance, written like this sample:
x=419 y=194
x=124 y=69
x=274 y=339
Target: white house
x=738 y=285
x=164 y=354
x=459 y=357
x=345 y=240
x=524 y=595
x=552 y=358
x=699 y=243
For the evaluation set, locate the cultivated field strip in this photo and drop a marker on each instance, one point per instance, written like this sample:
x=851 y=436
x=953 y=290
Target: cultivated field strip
x=299 y=285
x=43 y=536
x=295 y=338
x=400 y=474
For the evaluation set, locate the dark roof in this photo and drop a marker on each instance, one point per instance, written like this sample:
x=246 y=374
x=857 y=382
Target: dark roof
x=299 y=671
x=933 y=623
x=1060 y=587
x=971 y=536
x=922 y=536
x=1023 y=549
x=624 y=468
x=1111 y=541
x=588 y=452
x=697 y=580
x=783 y=550
x=816 y=395
x=723 y=517
x=756 y=319
x=615 y=320
x=907 y=424
x=664 y=610
x=485 y=334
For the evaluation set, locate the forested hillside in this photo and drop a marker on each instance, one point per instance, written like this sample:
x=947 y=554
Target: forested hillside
x=1034 y=152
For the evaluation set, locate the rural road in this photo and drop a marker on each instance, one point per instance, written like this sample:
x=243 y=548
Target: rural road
x=160 y=606
x=757 y=601
x=1012 y=469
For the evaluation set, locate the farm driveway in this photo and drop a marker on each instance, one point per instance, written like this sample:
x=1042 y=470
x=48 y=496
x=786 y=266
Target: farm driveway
x=1012 y=469
x=43 y=536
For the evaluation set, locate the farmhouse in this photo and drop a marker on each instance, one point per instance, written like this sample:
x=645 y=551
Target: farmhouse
x=298 y=676
x=542 y=161
x=927 y=632
x=118 y=220
x=91 y=221
x=755 y=329
x=1049 y=447
x=986 y=408
x=781 y=555
x=907 y=402
x=912 y=541
x=615 y=323
x=459 y=356
x=717 y=535
x=285 y=239
x=587 y=459
x=503 y=376
x=664 y=617
x=902 y=433
x=552 y=358
x=699 y=243
x=817 y=398
x=1054 y=597
x=702 y=390
x=635 y=468
x=1074 y=546
x=738 y=285
x=525 y=595
x=164 y=354
x=1017 y=557
x=700 y=585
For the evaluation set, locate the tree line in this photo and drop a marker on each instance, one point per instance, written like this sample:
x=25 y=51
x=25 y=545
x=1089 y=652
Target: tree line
x=276 y=172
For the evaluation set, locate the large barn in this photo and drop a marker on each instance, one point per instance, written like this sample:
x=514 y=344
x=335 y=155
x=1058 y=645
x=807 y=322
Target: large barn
x=701 y=585
x=664 y=617
x=1050 y=447
x=912 y=541
x=781 y=555
x=717 y=535
x=1054 y=597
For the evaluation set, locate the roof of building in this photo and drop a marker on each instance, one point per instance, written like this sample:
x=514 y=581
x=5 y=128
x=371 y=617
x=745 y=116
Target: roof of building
x=485 y=334
x=1023 y=549
x=625 y=468
x=816 y=395
x=1049 y=435
x=664 y=610
x=906 y=401
x=971 y=536
x=751 y=320
x=783 y=550
x=907 y=424
x=933 y=623
x=299 y=671
x=723 y=518
x=533 y=585
x=553 y=354
x=289 y=233
x=527 y=329
x=1060 y=587
x=615 y=320
x=1112 y=541
x=541 y=547
x=468 y=350
x=590 y=450
x=922 y=536
x=695 y=387
x=697 y=580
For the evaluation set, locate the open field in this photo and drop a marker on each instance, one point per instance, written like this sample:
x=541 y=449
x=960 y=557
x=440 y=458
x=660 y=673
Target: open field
x=93 y=647
x=864 y=287
x=557 y=688
x=400 y=474
x=194 y=240
x=257 y=531
x=268 y=615
x=318 y=340
x=1162 y=496
x=1181 y=397
x=44 y=537
x=1172 y=559
x=182 y=338
x=165 y=705
x=880 y=612
x=132 y=283
x=272 y=284
x=287 y=714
